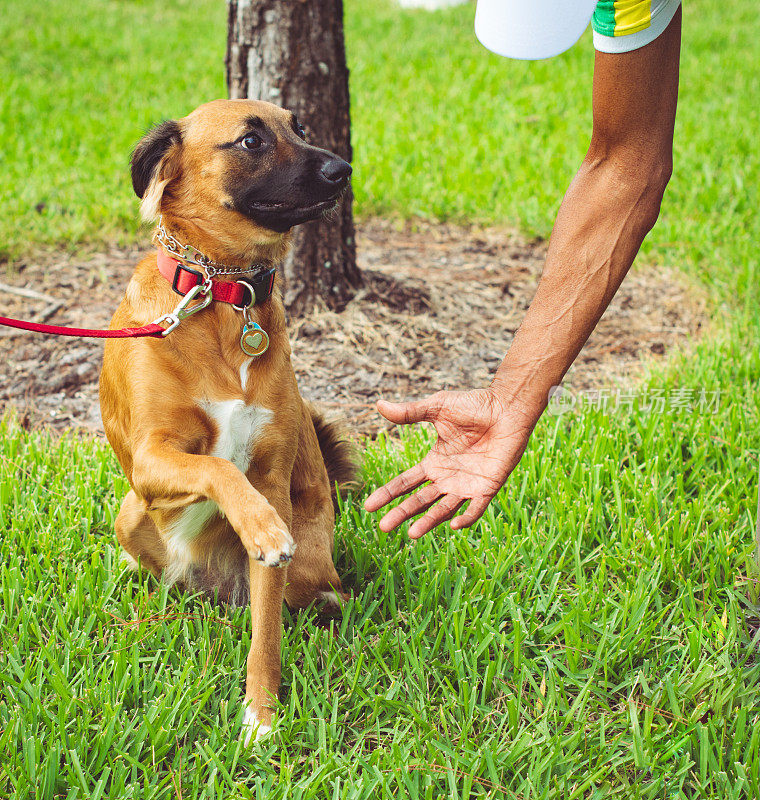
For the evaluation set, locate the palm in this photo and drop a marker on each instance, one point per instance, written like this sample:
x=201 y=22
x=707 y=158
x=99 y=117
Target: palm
x=480 y=440
x=467 y=453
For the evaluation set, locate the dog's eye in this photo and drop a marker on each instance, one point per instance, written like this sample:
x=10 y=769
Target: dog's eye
x=251 y=141
x=300 y=130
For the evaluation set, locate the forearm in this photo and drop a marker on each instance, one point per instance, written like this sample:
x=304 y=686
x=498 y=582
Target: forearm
x=605 y=215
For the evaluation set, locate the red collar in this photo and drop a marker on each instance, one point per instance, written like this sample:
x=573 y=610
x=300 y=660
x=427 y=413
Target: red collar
x=242 y=293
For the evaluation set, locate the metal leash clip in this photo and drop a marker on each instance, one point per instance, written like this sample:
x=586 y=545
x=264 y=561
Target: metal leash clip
x=184 y=309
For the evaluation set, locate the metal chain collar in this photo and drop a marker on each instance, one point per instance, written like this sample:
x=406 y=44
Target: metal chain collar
x=192 y=255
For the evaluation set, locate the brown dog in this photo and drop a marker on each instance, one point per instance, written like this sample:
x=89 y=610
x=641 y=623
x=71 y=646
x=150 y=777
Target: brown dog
x=230 y=471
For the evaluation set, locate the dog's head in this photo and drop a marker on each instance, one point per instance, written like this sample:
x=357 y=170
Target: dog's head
x=233 y=163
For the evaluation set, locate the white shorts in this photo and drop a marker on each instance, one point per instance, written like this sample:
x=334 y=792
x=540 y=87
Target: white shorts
x=624 y=25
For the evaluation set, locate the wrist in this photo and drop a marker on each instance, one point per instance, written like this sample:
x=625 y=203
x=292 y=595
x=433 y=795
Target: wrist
x=519 y=399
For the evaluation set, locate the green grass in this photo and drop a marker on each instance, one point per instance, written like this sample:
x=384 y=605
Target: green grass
x=588 y=639
x=82 y=82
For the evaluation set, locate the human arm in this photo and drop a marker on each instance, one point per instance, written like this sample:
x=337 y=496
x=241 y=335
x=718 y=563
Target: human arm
x=610 y=206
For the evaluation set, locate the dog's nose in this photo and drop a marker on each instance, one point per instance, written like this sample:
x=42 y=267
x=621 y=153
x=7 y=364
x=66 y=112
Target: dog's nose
x=336 y=170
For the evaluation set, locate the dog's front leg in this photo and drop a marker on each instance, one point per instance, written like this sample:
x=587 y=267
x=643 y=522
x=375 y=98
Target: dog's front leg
x=166 y=477
x=263 y=671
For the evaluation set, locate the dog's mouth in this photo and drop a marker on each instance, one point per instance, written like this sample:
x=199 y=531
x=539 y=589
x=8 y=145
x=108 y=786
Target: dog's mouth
x=282 y=216
x=322 y=205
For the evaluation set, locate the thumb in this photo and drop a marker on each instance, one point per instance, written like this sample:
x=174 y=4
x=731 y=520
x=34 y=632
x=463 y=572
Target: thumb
x=423 y=410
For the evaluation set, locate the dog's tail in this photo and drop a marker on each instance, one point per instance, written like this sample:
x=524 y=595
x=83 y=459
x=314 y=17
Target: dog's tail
x=339 y=453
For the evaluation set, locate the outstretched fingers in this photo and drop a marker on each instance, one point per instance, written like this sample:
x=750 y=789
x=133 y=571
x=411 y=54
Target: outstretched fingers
x=401 y=484
x=416 y=504
x=473 y=513
x=440 y=512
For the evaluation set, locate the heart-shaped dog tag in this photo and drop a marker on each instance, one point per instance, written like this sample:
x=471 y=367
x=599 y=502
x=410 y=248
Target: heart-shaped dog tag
x=254 y=340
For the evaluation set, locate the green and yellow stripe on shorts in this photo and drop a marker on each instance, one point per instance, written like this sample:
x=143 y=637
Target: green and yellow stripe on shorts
x=623 y=25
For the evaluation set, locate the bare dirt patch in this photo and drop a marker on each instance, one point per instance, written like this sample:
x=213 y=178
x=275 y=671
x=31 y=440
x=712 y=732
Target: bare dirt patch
x=439 y=310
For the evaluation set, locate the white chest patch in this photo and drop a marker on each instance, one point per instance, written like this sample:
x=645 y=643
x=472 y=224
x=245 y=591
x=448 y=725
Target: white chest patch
x=238 y=428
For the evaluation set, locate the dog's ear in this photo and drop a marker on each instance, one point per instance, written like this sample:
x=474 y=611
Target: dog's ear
x=156 y=162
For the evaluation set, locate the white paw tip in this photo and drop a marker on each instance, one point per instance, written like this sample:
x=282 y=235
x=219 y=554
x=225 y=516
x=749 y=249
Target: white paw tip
x=331 y=598
x=279 y=558
x=252 y=728
x=128 y=560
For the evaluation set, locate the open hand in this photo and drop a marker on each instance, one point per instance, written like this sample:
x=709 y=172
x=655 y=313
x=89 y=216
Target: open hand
x=481 y=437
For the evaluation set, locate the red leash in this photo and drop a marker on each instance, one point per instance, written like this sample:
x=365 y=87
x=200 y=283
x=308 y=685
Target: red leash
x=120 y=333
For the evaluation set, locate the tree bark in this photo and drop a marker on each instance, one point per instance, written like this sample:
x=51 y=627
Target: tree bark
x=292 y=54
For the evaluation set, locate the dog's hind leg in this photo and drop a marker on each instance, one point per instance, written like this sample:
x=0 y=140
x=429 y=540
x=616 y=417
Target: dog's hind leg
x=323 y=456
x=138 y=536
x=311 y=574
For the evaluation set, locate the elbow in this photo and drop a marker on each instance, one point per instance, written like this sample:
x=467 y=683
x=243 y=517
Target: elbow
x=637 y=180
x=653 y=181
x=656 y=175
x=143 y=479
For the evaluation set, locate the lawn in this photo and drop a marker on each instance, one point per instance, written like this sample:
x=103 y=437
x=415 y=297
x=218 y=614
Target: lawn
x=587 y=639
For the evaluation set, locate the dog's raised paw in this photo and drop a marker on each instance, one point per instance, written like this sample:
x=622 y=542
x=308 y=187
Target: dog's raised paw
x=253 y=728
x=278 y=550
x=275 y=558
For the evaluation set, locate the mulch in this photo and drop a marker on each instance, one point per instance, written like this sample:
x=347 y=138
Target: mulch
x=439 y=308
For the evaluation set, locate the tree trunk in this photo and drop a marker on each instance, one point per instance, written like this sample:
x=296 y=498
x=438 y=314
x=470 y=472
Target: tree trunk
x=292 y=54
